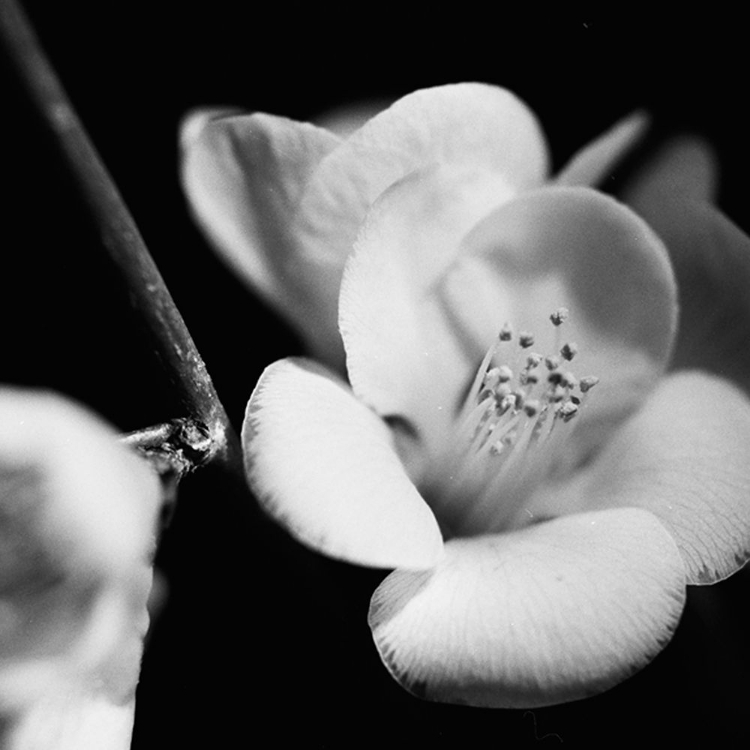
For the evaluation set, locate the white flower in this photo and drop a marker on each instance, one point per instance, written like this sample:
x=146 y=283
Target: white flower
x=78 y=514
x=542 y=531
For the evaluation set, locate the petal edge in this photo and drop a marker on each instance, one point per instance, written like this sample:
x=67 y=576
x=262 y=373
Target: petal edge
x=324 y=466
x=554 y=613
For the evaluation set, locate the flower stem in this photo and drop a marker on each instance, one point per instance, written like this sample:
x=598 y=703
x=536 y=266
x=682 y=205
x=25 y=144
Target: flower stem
x=119 y=234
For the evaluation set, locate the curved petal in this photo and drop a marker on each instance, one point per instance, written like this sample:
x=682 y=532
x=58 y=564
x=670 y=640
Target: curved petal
x=579 y=249
x=78 y=519
x=244 y=176
x=467 y=125
x=463 y=125
x=414 y=349
x=399 y=357
x=711 y=258
x=325 y=467
x=598 y=159
x=555 y=612
x=685 y=457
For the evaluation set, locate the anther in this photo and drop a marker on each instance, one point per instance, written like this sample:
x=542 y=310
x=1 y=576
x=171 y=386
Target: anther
x=556 y=395
x=504 y=373
x=491 y=379
x=569 y=351
x=533 y=360
x=588 y=383
x=568 y=410
x=508 y=402
x=559 y=316
x=569 y=380
x=506 y=333
x=531 y=408
x=501 y=391
x=526 y=340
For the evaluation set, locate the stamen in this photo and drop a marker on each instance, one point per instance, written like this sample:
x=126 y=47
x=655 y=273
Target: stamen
x=569 y=380
x=568 y=410
x=559 y=316
x=512 y=426
x=569 y=350
x=533 y=360
x=588 y=383
x=504 y=373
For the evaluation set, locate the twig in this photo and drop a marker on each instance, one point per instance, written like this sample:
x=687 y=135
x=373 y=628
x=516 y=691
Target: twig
x=149 y=295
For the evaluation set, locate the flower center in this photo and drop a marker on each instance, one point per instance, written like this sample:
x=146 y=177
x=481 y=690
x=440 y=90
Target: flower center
x=517 y=416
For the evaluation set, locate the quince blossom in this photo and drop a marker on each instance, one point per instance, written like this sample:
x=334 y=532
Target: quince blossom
x=509 y=437
x=77 y=538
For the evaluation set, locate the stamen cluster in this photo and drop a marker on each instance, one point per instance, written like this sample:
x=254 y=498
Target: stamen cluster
x=515 y=414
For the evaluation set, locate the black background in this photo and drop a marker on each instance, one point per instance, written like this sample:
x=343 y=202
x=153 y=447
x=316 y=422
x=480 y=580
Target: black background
x=260 y=638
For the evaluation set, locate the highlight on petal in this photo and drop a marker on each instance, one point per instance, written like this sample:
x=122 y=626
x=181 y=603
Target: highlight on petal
x=325 y=467
x=552 y=613
x=598 y=159
x=685 y=456
x=77 y=535
x=244 y=176
x=399 y=357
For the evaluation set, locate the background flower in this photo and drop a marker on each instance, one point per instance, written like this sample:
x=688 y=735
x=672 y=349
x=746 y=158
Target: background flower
x=77 y=540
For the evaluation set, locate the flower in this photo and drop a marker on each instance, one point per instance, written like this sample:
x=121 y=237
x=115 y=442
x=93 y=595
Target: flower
x=77 y=538
x=509 y=437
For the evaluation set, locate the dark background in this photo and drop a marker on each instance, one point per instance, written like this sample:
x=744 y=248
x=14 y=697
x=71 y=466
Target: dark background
x=260 y=638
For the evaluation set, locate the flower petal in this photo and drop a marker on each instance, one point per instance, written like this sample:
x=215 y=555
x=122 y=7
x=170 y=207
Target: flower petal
x=597 y=160
x=685 y=457
x=78 y=518
x=244 y=176
x=711 y=258
x=399 y=357
x=555 y=612
x=579 y=249
x=685 y=165
x=325 y=467
x=413 y=350
x=74 y=722
x=467 y=125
